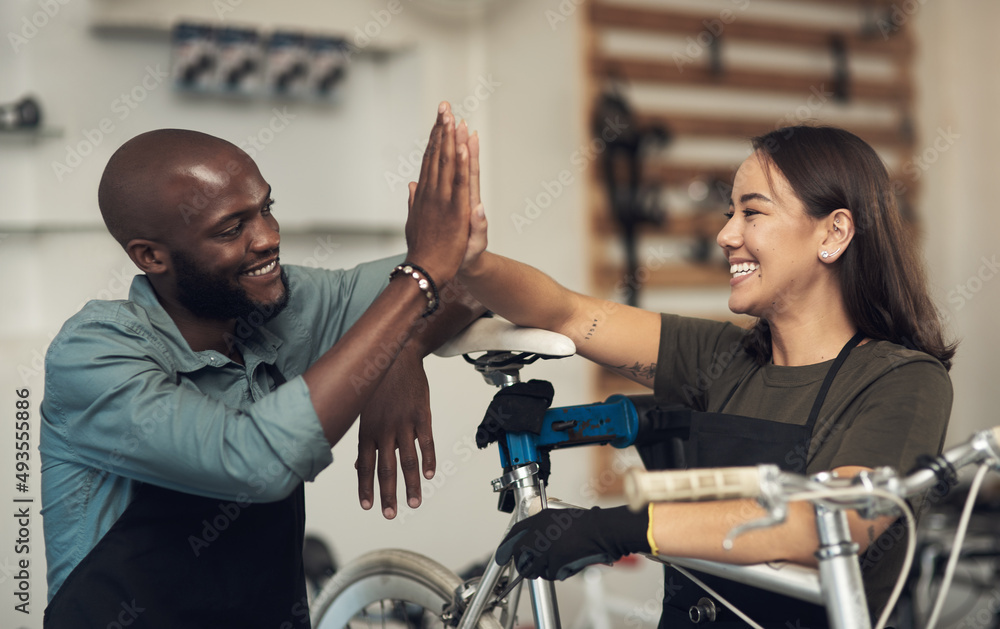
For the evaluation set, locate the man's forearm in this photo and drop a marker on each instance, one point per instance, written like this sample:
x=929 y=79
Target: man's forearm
x=338 y=392
x=458 y=309
x=342 y=381
x=399 y=414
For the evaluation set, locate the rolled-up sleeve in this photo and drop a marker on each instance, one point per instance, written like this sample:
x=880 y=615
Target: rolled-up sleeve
x=115 y=402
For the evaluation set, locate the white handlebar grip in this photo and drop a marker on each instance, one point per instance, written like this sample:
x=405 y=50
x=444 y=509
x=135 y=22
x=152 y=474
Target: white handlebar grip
x=718 y=483
x=995 y=431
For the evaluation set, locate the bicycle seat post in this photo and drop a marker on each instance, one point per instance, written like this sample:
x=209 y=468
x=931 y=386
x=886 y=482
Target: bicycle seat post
x=501 y=369
x=529 y=496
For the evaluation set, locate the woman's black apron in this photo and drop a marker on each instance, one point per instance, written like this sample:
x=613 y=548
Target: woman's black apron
x=174 y=560
x=723 y=440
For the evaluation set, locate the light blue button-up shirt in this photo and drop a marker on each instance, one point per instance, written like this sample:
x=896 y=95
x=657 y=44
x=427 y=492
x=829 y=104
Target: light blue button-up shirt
x=127 y=401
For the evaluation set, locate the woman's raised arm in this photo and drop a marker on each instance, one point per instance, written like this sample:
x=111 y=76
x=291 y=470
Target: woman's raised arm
x=611 y=334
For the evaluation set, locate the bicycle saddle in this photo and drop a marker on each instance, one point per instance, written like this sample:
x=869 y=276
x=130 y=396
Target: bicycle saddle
x=496 y=334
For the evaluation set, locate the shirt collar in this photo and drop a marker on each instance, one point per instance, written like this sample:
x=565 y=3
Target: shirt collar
x=255 y=340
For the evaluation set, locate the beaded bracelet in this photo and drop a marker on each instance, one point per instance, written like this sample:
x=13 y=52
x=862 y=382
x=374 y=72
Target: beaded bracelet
x=424 y=281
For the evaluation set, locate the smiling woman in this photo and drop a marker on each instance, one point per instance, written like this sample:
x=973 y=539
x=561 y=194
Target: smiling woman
x=845 y=370
x=771 y=244
x=833 y=174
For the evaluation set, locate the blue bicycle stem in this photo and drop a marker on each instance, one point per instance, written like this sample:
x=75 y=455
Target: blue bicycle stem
x=614 y=421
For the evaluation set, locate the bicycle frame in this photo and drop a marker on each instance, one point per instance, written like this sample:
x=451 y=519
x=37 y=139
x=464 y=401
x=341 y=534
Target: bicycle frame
x=529 y=496
x=615 y=422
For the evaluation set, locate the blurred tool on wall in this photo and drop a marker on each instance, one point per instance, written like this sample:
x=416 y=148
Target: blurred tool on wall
x=23 y=114
x=632 y=201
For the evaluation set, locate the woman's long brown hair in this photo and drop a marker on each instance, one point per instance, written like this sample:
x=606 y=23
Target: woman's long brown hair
x=881 y=276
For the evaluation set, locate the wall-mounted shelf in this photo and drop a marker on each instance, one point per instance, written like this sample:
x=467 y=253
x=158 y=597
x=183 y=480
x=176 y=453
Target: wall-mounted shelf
x=306 y=229
x=35 y=229
x=31 y=134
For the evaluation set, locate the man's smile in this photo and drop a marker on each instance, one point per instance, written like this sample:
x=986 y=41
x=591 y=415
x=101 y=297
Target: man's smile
x=262 y=270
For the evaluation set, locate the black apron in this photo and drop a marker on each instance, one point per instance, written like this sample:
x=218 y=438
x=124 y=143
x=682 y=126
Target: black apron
x=723 y=440
x=178 y=561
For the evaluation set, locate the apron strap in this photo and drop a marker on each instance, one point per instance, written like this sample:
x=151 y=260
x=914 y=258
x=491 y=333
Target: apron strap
x=828 y=381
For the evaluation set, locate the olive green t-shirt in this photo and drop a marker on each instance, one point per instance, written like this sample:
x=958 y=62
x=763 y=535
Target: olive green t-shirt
x=887 y=406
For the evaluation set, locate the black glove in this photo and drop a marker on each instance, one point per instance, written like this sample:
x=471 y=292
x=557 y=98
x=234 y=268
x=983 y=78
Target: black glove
x=558 y=543
x=519 y=407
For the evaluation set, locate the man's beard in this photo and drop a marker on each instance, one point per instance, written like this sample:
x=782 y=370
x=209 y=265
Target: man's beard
x=217 y=297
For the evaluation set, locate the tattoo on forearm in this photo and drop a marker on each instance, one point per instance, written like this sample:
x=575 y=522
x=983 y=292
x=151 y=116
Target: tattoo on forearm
x=590 y=332
x=638 y=370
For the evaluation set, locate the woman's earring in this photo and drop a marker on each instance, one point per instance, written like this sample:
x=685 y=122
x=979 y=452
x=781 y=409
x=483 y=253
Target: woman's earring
x=827 y=254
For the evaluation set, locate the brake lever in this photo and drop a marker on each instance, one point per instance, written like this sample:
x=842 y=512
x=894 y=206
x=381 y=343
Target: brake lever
x=776 y=515
x=773 y=500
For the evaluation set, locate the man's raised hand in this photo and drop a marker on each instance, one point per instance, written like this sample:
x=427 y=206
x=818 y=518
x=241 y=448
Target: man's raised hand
x=437 y=227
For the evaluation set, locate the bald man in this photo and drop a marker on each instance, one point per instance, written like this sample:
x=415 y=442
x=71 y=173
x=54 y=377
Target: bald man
x=179 y=425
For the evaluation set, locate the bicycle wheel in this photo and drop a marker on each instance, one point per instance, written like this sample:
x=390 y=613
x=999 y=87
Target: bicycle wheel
x=390 y=589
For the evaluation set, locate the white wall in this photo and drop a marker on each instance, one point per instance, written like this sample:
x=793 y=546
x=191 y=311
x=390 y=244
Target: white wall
x=334 y=159
x=959 y=156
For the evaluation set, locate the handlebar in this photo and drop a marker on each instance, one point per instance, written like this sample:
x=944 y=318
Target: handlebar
x=880 y=491
x=720 y=483
x=770 y=486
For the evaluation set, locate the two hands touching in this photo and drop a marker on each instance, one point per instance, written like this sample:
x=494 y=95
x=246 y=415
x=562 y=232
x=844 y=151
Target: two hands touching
x=467 y=144
x=446 y=234
x=445 y=229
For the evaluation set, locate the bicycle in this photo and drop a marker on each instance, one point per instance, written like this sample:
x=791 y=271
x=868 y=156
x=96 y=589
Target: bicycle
x=973 y=599
x=394 y=586
x=881 y=491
